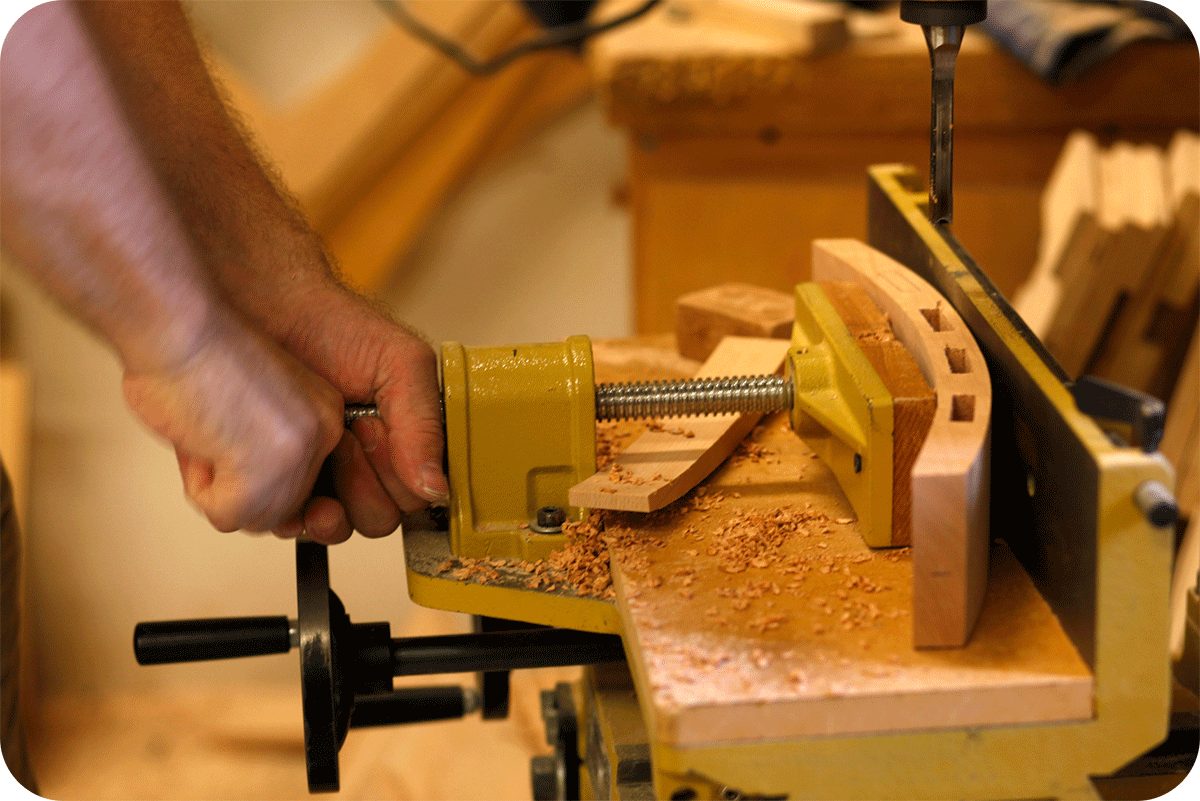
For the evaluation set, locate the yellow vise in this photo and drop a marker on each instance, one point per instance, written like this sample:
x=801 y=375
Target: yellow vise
x=520 y=430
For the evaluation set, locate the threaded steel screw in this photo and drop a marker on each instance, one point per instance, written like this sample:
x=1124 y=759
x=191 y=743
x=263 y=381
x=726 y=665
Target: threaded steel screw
x=689 y=396
x=694 y=396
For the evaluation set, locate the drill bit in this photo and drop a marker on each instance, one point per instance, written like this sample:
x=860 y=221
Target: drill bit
x=943 y=42
x=943 y=23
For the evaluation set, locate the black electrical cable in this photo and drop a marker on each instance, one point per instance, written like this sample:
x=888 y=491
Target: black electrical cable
x=556 y=37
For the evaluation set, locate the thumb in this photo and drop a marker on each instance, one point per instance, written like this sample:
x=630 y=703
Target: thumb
x=412 y=411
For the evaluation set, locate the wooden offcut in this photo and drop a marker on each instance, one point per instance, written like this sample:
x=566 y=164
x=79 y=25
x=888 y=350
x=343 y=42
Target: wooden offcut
x=950 y=482
x=663 y=464
x=704 y=318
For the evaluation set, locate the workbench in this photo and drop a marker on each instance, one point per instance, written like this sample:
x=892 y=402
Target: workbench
x=740 y=148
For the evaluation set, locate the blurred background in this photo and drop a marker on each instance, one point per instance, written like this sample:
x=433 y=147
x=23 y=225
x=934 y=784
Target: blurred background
x=568 y=193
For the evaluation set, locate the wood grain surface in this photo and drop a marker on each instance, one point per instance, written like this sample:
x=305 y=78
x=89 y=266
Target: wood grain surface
x=950 y=474
x=753 y=611
x=705 y=317
x=913 y=400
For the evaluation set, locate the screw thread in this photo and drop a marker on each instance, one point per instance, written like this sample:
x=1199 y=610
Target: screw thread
x=694 y=396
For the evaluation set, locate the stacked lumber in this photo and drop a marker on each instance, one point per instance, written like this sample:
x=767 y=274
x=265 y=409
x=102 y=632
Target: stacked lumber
x=1114 y=291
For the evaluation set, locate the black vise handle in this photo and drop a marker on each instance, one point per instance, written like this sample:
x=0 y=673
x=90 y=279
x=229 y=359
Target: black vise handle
x=212 y=638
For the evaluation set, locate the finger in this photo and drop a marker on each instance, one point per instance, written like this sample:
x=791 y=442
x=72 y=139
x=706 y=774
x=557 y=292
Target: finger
x=325 y=521
x=290 y=529
x=369 y=508
x=376 y=449
x=197 y=474
x=411 y=408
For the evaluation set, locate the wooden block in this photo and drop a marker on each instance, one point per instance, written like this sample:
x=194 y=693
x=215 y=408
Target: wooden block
x=913 y=400
x=950 y=482
x=704 y=318
x=661 y=465
x=1148 y=340
x=714 y=47
x=1133 y=209
x=803 y=26
x=1070 y=231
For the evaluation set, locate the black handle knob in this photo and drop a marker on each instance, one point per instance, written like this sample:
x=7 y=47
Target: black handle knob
x=171 y=641
x=409 y=705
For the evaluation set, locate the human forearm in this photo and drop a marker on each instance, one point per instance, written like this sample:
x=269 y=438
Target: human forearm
x=255 y=243
x=79 y=207
x=85 y=214
x=269 y=263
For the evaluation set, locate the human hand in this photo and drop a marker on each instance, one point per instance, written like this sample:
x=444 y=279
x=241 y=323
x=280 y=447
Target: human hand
x=251 y=426
x=386 y=466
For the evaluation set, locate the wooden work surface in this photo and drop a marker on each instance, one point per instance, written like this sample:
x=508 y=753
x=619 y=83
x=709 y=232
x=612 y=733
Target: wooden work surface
x=812 y=635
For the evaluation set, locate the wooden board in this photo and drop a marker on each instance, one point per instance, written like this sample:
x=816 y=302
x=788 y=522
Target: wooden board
x=1070 y=232
x=704 y=318
x=714 y=47
x=661 y=465
x=1133 y=209
x=913 y=400
x=1146 y=344
x=809 y=633
x=950 y=475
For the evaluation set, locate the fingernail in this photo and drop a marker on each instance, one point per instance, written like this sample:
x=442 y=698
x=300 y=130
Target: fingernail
x=433 y=483
x=368 y=434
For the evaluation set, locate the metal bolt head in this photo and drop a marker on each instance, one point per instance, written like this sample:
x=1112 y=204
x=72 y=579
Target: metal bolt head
x=549 y=520
x=1156 y=503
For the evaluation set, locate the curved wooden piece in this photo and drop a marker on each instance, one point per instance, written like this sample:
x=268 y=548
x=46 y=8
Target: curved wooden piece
x=664 y=463
x=950 y=481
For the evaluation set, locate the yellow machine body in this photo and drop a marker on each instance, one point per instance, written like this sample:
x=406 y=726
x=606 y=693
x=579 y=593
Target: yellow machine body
x=843 y=411
x=520 y=432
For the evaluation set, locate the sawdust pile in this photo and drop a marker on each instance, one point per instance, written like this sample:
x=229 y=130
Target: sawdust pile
x=753 y=539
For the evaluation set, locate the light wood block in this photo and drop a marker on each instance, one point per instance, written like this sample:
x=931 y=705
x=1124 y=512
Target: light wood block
x=660 y=466
x=950 y=475
x=1133 y=209
x=704 y=318
x=1070 y=233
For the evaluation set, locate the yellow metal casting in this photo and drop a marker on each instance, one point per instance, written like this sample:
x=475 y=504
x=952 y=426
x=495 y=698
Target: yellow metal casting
x=843 y=410
x=520 y=432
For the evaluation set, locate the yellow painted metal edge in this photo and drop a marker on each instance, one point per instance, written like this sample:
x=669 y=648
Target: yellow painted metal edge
x=529 y=606
x=838 y=388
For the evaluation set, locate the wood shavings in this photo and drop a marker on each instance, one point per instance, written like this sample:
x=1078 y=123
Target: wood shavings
x=657 y=425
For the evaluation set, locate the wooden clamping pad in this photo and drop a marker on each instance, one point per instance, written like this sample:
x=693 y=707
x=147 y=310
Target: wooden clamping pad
x=950 y=474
